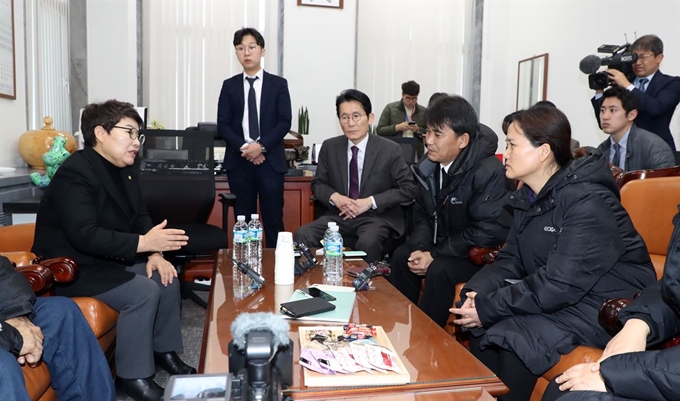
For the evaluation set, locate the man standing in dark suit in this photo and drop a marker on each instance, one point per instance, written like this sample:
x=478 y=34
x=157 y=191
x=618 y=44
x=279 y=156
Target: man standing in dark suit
x=253 y=117
x=361 y=179
x=658 y=94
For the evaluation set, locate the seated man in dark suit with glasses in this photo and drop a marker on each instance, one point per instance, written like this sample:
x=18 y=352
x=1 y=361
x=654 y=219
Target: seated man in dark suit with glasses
x=362 y=180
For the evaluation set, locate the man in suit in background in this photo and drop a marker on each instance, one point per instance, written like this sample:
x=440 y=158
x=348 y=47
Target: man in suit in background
x=361 y=179
x=658 y=94
x=629 y=146
x=253 y=117
x=405 y=117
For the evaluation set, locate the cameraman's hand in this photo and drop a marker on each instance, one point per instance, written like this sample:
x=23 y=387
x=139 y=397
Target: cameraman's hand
x=618 y=77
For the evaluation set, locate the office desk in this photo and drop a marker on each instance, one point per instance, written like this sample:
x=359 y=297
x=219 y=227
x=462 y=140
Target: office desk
x=434 y=359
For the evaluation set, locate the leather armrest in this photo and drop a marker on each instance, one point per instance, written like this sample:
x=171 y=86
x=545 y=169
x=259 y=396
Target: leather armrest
x=20 y=258
x=581 y=354
x=99 y=315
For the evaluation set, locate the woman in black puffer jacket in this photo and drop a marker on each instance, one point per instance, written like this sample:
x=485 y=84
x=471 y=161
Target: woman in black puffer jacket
x=571 y=248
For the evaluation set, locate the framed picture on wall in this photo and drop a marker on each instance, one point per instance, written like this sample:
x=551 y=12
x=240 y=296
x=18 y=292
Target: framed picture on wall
x=321 y=3
x=7 y=66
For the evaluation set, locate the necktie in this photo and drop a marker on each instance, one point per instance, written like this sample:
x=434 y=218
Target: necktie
x=443 y=178
x=617 y=155
x=643 y=84
x=253 y=125
x=354 y=174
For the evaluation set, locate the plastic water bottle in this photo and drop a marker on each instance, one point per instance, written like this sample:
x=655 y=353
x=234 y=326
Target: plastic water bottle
x=333 y=267
x=327 y=235
x=239 y=253
x=255 y=243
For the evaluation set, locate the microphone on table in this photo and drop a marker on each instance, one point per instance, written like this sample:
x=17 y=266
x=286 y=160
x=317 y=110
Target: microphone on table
x=247 y=270
x=260 y=356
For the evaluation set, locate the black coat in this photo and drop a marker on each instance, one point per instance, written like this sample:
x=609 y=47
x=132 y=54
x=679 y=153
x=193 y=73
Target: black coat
x=83 y=215
x=468 y=210
x=16 y=299
x=572 y=249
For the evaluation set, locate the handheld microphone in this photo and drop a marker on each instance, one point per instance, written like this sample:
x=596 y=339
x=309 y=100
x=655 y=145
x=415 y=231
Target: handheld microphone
x=247 y=270
x=590 y=64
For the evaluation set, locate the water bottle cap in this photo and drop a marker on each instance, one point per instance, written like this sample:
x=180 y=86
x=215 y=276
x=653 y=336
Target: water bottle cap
x=254 y=216
x=332 y=224
x=335 y=228
x=241 y=218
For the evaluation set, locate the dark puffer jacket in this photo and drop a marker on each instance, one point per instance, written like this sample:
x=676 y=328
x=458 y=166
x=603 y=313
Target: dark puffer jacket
x=468 y=211
x=572 y=249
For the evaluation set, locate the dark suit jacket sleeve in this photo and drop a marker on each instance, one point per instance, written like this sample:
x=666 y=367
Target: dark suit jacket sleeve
x=226 y=113
x=403 y=188
x=76 y=204
x=283 y=115
x=666 y=99
x=321 y=187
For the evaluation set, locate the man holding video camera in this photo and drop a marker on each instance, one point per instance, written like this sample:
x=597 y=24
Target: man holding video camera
x=658 y=94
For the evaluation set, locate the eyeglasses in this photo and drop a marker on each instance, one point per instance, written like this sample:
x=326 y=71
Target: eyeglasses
x=133 y=132
x=356 y=117
x=643 y=57
x=242 y=49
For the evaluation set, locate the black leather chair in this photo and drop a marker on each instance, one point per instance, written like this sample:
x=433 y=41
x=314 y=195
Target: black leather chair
x=409 y=147
x=176 y=172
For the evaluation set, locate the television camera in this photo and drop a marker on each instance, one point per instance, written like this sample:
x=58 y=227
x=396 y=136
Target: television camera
x=621 y=59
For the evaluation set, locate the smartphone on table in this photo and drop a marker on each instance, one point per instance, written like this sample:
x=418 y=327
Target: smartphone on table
x=317 y=293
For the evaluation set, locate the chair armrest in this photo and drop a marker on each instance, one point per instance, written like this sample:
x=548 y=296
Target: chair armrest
x=40 y=277
x=227 y=199
x=21 y=258
x=608 y=316
x=581 y=354
x=483 y=256
x=64 y=269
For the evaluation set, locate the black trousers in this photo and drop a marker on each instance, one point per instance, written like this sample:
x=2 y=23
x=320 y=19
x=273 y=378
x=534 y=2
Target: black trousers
x=508 y=367
x=250 y=182
x=440 y=281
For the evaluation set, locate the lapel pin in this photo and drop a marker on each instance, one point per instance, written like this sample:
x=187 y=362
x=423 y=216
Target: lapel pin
x=129 y=178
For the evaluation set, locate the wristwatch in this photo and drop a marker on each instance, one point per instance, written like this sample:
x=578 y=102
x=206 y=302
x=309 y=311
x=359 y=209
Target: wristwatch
x=264 y=150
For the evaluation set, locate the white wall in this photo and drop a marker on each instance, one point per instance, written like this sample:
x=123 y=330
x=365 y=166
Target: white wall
x=13 y=112
x=318 y=62
x=568 y=30
x=112 y=50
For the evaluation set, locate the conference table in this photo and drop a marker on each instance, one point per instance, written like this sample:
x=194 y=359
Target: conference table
x=438 y=365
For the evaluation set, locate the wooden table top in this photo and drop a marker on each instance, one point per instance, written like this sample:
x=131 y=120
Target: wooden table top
x=434 y=359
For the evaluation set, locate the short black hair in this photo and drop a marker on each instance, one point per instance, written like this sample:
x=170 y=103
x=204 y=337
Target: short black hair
x=543 y=103
x=352 y=94
x=106 y=114
x=436 y=97
x=544 y=125
x=454 y=112
x=410 y=88
x=648 y=42
x=238 y=36
x=629 y=101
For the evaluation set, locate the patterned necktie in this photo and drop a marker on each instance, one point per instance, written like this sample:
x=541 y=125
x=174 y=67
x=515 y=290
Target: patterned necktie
x=617 y=155
x=354 y=174
x=253 y=125
x=643 y=84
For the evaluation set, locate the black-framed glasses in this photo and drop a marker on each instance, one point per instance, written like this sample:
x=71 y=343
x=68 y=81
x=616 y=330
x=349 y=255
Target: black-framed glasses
x=356 y=117
x=242 y=49
x=133 y=132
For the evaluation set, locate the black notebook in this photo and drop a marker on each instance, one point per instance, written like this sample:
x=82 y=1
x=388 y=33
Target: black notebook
x=306 y=307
